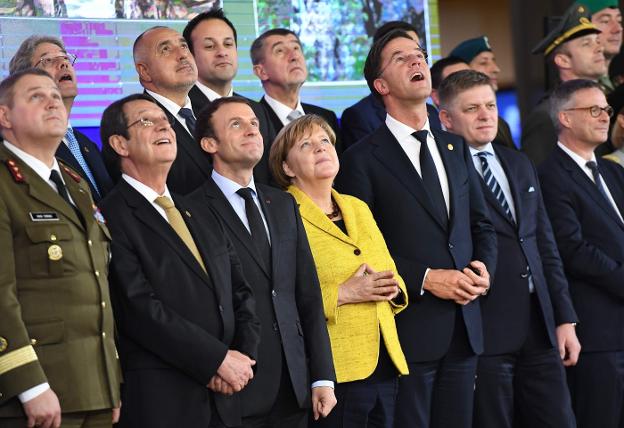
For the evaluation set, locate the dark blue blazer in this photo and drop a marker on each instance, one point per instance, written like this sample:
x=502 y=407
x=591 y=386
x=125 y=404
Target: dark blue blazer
x=527 y=246
x=93 y=157
x=378 y=171
x=368 y=114
x=590 y=237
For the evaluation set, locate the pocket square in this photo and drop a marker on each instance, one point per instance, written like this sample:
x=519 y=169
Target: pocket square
x=531 y=189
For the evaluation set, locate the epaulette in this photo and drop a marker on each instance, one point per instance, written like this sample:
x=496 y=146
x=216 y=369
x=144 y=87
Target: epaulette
x=15 y=171
x=612 y=158
x=73 y=174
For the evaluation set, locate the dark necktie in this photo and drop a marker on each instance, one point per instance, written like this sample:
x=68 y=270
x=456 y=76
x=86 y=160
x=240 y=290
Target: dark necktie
x=256 y=225
x=492 y=184
x=187 y=114
x=55 y=177
x=430 y=177
x=598 y=181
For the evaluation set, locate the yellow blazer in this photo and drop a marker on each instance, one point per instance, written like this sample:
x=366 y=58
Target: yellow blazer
x=353 y=328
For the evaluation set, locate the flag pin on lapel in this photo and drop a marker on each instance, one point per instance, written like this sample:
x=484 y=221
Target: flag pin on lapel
x=450 y=147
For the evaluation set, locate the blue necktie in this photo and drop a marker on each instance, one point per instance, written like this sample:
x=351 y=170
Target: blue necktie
x=493 y=185
x=74 y=148
x=189 y=118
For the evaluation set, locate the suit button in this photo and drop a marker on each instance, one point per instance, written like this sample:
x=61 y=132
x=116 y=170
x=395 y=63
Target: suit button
x=33 y=342
x=52 y=237
x=97 y=273
x=451 y=246
x=273 y=293
x=524 y=275
x=220 y=308
x=275 y=326
x=357 y=252
x=90 y=243
x=103 y=305
x=521 y=240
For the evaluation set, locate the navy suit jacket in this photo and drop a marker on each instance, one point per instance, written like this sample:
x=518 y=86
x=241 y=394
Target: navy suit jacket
x=527 y=246
x=326 y=114
x=378 y=171
x=288 y=297
x=175 y=320
x=262 y=173
x=93 y=157
x=590 y=237
x=368 y=114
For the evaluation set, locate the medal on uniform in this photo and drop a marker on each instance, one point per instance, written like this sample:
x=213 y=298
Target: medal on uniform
x=55 y=253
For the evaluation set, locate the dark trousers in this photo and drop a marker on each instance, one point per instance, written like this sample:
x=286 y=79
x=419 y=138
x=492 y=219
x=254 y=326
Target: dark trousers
x=526 y=388
x=597 y=388
x=439 y=394
x=362 y=404
x=92 y=419
x=285 y=412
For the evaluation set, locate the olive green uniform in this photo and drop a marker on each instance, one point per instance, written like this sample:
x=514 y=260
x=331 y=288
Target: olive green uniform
x=56 y=323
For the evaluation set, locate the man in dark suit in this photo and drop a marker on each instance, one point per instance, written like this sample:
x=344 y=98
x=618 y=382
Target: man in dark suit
x=368 y=114
x=584 y=197
x=427 y=200
x=213 y=42
x=167 y=71
x=78 y=151
x=528 y=318
x=185 y=314
x=268 y=235
x=278 y=61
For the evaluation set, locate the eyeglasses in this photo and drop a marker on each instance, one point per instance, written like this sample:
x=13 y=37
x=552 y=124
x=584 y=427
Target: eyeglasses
x=49 y=61
x=399 y=59
x=148 y=123
x=595 y=111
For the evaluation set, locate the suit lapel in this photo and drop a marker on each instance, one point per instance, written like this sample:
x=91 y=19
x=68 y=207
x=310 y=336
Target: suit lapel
x=615 y=189
x=392 y=156
x=512 y=178
x=277 y=123
x=233 y=222
x=148 y=215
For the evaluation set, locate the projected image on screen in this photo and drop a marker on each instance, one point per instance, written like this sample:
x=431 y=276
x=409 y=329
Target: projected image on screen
x=337 y=34
x=128 y=9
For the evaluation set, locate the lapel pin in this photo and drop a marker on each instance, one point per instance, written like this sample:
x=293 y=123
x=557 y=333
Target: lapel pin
x=531 y=189
x=188 y=214
x=268 y=201
x=86 y=149
x=450 y=147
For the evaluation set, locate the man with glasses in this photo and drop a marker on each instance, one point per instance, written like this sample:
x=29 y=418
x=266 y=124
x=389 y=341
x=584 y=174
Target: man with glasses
x=584 y=197
x=82 y=154
x=185 y=314
x=427 y=200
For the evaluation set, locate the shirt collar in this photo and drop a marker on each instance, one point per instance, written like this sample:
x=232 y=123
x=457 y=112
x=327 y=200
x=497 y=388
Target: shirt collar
x=171 y=107
x=580 y=161
x=488 y=148
x=230 y=187
x=35 y=164
x=209 y=93
x=282 y=110
x=401 y=130
x=146 y=191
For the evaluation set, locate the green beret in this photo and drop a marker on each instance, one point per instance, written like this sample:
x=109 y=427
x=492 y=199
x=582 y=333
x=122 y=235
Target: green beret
x=574 y=23
x=468 y=49
x=597 y=5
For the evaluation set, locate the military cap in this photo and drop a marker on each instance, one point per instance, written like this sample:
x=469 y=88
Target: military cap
x=469 y=49
x=594 y=6
x=574 y=23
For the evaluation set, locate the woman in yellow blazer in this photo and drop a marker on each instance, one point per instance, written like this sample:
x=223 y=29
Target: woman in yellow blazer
x=361 y=290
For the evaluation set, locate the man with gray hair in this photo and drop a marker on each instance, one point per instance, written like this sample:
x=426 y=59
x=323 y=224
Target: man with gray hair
x=78 y=151
x=584 y=197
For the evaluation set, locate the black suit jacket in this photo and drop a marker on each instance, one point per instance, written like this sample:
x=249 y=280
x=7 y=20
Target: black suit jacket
x=326 y=114
x=93 y=157
x=287 y=293
x=175 y=322
x=590 y=237
x=527 y=246
x=262 y=173
x=368 y=114
x=378 y=171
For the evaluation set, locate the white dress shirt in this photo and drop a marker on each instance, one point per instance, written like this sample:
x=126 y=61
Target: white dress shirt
x=149 y=194
x=209 y=93
x=282 y=110
x=582 y=163
x=173 y=108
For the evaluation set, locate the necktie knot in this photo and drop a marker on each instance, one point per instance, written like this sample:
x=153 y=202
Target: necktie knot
x=164 y=202
x=593 y=166
x=189 y=118
x=421 y=136
x=245 y=193
x=295 y=114
x=55 y=177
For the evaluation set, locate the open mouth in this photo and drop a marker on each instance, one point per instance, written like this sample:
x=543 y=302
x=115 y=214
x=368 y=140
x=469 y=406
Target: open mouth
x=417 y=77
x=66 y=78
x=162 y=141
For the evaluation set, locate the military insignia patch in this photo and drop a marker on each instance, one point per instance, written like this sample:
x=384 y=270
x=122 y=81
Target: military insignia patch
x=71 y=173
x=55 y=253
x=15 y=171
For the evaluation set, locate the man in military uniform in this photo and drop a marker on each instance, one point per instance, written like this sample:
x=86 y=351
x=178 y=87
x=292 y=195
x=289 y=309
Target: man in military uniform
x=58 y=364
x=573 y=48
x=606 y=15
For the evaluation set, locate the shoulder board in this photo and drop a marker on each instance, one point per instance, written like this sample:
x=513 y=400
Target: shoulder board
x=73 y=174
x=612 y=158
x=15 y=171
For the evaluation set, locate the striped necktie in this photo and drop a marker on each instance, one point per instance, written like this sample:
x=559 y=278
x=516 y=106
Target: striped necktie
x=74 y=148
x=492 y=184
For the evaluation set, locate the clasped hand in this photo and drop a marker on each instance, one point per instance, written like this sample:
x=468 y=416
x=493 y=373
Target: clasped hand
x=233 y=374
x=460 y=286
x=366 y=285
